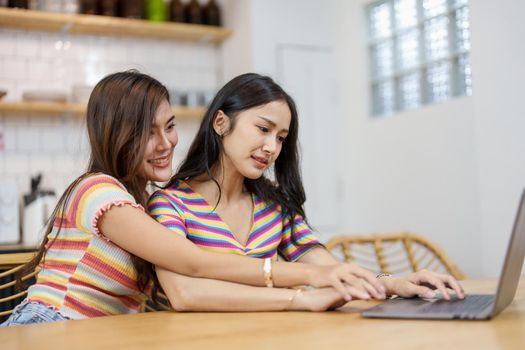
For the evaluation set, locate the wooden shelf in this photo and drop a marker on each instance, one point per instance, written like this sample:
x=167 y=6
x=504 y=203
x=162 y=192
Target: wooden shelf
x=79 y=109
x=105 y=25
x=17 y=248
x=43 y=108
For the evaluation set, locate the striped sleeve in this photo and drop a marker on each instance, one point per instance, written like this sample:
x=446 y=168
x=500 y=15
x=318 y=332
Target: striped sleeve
x=94 y=196
x=297 y=239
x=163 y=208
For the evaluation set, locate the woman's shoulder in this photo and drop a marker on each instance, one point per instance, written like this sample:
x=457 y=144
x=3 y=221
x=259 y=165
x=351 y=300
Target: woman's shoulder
x=99 y=184
x=100 y=179
x=177 y=191
x=91 y=195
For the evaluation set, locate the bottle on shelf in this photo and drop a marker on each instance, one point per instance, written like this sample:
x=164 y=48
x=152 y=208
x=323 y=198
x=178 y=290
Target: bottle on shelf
x=212 y=14
x=108 y=7
x=89 y=7
x=132 y=9
x=193 y=12
x=176 y=11
x=156 y=10
x=23 y=4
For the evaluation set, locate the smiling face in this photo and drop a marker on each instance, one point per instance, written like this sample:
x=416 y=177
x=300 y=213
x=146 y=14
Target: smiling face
x=256 y=139
x=158 y=157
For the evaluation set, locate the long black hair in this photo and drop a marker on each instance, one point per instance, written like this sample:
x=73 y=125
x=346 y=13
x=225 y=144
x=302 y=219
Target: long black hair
x=241 y=93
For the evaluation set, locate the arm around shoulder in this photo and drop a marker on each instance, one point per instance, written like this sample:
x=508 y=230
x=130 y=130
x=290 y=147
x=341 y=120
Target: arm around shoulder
x=136 y=232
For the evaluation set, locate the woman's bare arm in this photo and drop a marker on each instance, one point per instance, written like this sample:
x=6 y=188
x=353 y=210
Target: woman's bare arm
x=200 y=294
x=136 y=232
x=319 y=256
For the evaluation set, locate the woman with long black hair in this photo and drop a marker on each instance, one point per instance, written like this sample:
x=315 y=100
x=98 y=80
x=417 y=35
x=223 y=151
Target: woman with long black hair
x=239 y=191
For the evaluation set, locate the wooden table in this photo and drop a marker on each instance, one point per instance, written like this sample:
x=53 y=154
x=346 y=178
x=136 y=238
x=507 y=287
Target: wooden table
x=343 y=329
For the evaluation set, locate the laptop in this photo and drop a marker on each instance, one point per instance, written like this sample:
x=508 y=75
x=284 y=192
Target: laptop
x=474 y=306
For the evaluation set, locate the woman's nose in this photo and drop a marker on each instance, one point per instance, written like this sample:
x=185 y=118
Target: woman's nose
x=163 y=142
x=270 y=145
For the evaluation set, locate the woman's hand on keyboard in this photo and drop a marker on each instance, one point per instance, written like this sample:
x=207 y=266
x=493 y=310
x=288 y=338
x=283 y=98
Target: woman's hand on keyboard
x=423 y=284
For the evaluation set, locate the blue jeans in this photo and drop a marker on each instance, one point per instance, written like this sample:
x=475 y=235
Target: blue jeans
x=30 y=312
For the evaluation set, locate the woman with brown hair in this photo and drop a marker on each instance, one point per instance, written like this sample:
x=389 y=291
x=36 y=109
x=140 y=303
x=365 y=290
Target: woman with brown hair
x=100 y=246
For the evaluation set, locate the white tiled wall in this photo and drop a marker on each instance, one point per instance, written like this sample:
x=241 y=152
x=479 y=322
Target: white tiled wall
x=57 y=145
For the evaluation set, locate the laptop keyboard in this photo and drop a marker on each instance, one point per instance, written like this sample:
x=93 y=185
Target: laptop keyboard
x=471 y=304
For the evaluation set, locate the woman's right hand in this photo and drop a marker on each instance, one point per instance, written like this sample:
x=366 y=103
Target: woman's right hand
x=349 y=279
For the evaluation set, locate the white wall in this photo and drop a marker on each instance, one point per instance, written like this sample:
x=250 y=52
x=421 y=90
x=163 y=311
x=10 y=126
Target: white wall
x=498 y=60
x=451 y=171
x=412 y=171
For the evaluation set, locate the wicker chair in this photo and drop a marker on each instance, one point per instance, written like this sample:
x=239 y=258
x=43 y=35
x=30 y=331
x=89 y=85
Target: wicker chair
x=395 y=253
x=10 y=297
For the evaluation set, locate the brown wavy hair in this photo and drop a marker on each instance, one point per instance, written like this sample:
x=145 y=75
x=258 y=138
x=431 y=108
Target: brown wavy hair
x=120 y=113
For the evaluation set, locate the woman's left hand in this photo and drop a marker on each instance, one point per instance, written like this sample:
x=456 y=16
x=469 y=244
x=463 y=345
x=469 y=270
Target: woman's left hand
x=422 y=284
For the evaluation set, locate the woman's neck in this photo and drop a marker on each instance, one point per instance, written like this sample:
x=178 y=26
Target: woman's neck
x=230 y=180
x=231 y=184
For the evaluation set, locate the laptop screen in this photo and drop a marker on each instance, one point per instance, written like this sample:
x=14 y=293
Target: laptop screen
x=511 y=272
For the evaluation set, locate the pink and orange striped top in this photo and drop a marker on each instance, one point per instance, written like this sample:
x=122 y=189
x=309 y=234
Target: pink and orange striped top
x=84 y=274
x=188 y=214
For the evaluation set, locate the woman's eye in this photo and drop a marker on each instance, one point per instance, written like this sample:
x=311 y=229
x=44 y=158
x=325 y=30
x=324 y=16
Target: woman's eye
x=263 y=129
x=281 y=139
x=171 y=126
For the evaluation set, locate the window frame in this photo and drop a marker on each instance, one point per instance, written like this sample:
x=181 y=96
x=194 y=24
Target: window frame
x=459 y=84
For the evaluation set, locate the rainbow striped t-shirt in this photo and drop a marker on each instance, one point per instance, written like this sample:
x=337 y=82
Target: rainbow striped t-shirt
x=84 y=274
x=188 y=214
